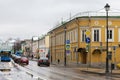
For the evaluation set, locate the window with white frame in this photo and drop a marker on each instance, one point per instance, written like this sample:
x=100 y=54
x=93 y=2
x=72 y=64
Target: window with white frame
x=75 y=35
x=83 y=35
x=96 y=32
x=67 y=35
x=71 y=36
x=111 y=34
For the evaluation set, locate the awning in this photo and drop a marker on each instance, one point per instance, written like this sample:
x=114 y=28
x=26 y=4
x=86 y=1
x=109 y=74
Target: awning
x=81 y=50
x=97 y=51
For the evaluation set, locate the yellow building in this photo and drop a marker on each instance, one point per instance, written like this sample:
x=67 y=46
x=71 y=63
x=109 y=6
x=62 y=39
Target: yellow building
x=83 y=51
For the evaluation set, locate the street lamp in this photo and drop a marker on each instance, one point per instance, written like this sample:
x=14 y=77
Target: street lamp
x=65 y=46
x=107 y=8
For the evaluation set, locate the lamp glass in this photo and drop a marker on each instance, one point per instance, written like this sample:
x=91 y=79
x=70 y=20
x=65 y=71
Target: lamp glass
x=107 y=7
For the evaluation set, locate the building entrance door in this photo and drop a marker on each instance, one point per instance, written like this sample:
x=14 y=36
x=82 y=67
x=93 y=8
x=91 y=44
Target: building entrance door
x=84 y=58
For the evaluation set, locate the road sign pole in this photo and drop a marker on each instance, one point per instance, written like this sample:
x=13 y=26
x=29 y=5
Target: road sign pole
x=87 y=49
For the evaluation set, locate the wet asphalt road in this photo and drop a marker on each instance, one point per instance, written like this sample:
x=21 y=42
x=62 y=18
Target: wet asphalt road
x=62 y=73
x=34 y=72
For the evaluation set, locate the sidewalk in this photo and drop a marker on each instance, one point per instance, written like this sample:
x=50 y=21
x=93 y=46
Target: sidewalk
x=85 y=68
x=99 y=71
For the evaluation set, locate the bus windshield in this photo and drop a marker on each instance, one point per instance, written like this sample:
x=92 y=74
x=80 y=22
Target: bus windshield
x=5 y=53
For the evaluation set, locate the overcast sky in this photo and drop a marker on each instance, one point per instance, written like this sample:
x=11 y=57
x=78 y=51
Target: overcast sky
x=26 y=18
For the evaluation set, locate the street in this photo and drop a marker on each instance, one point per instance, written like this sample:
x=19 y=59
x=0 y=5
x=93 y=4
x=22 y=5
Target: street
x=62 y=73
x=34 y=72
x=59 y=40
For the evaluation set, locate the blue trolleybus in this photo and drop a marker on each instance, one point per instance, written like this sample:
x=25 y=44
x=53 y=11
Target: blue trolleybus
x=5 y=56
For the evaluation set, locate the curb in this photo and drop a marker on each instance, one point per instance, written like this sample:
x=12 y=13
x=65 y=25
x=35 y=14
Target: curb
x=102 y=73
x=27 y=71
x=92 y=72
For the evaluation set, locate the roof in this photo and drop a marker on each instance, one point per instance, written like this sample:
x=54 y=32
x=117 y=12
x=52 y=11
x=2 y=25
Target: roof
x=62 y=24
x=88 y=14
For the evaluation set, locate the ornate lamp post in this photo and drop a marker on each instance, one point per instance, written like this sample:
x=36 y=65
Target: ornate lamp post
x=107 y=8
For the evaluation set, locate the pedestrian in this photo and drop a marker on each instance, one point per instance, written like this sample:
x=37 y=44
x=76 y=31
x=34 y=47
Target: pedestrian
x=32 y=56
x=58 y=61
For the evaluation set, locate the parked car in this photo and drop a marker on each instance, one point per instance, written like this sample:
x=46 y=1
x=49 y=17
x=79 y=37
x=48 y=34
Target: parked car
x=17 y=59
x=13 y=56
x=43 y=61
x=24 y=60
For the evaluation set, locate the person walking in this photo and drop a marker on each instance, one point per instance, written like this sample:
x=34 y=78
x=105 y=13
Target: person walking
x=58 y=61
x=32 y=56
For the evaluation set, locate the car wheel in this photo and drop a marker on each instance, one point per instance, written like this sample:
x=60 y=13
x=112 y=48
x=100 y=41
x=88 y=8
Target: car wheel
x=38 y=64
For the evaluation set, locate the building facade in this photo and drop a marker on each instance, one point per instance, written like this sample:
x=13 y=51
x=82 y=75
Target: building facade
x=36 y=46
x=26 y=47
x=44 y=46
x=82 y=40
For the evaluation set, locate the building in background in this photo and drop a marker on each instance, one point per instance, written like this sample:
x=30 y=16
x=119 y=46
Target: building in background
x=26 y=47
x=38 y=47
x=44 y=46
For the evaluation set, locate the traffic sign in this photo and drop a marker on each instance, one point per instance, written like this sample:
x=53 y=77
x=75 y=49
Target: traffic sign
x=88 y=32
x=67 y=41
x=67 y=51
x=67 y=46
x=87 y=40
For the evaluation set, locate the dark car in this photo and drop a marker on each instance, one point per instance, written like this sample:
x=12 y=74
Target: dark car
x=17 y=59
x=24 y=60
x=43 y=61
